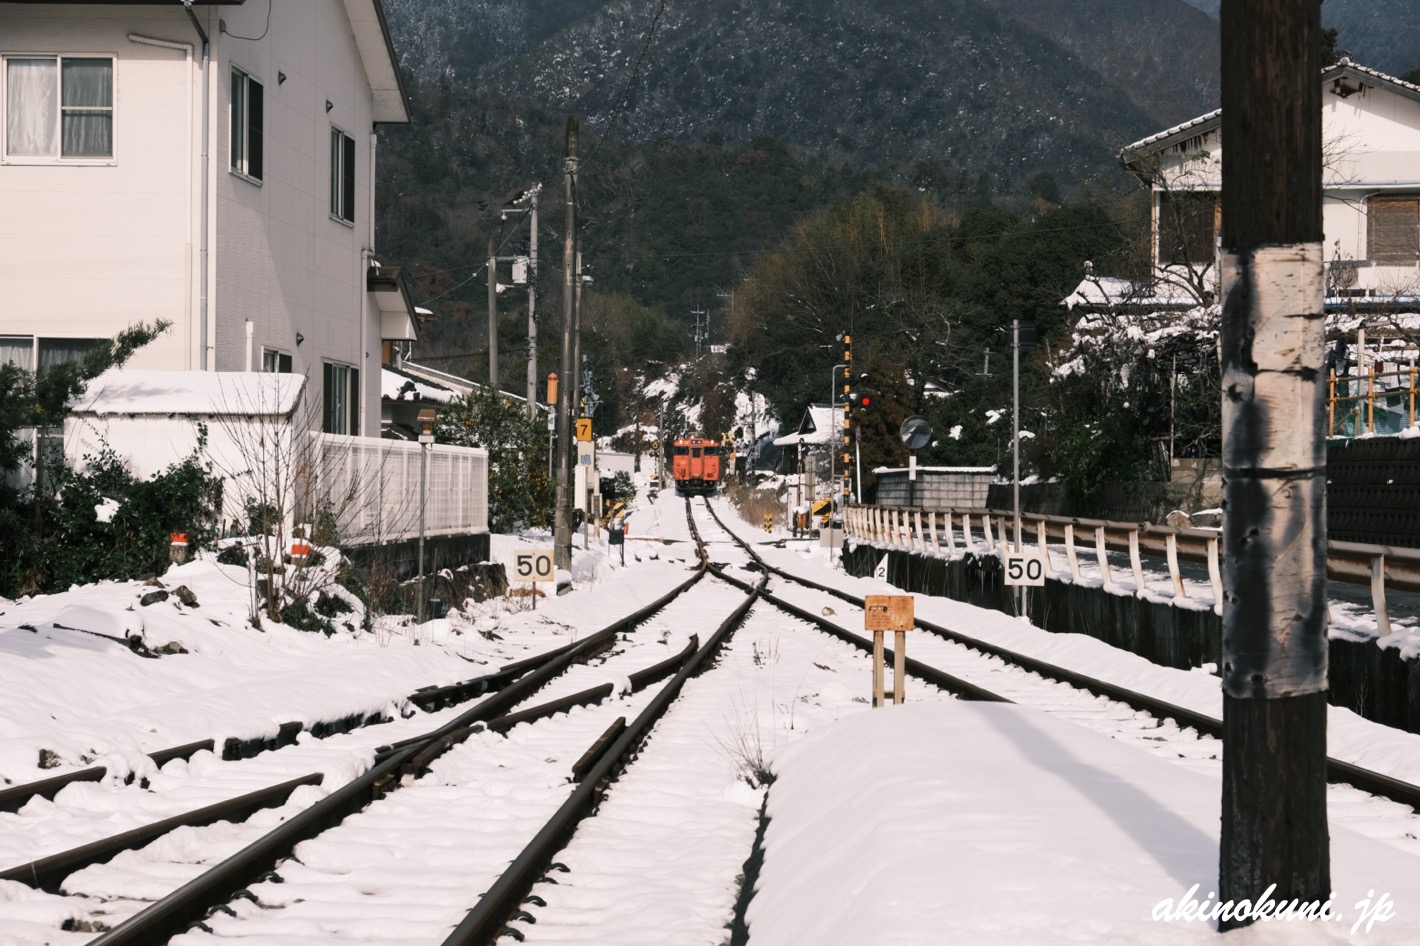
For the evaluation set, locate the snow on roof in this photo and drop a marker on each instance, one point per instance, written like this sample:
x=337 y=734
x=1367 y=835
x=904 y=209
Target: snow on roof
x=975 y=470
x=818 y=426
x=396 y=385
x=1111 y=290
x=202 y=393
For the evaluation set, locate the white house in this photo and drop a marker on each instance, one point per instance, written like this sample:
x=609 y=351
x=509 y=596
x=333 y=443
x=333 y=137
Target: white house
x=209 y=164
x=212 y=165
x=1371 y=194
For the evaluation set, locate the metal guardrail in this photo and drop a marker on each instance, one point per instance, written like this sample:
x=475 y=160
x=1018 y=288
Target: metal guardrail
x=935 y=532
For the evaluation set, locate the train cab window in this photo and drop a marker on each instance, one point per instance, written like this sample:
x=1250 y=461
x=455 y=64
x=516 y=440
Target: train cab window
x=681 y=451
x=695 y=453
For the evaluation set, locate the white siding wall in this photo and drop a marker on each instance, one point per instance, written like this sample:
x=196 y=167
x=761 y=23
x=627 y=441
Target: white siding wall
x=89 y=250
x=1372 y=146
x=283 y=263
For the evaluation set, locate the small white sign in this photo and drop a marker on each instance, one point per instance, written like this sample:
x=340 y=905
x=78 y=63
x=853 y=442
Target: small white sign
x=1025 y=568
x=533 y=566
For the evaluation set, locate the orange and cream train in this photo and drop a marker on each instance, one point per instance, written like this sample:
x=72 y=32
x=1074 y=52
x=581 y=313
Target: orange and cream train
x=696 y=466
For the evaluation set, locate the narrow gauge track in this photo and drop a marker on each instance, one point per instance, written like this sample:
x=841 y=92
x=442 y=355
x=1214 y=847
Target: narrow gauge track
x=270 y=907
x=123 y=885
x=1157 y=710
x=141 y=794
x=593 y=902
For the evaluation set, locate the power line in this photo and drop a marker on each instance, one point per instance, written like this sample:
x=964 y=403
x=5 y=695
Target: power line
x=773 y=251
x=630 y=82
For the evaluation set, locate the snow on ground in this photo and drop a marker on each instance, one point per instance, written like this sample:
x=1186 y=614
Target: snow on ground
x=933 y=822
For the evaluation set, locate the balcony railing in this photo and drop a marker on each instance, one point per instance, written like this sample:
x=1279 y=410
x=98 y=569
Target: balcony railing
x=1374 y=403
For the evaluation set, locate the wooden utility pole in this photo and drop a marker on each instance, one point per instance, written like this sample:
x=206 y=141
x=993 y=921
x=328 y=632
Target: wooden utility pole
x=562 y=515
x=1274 y=828
x=492 y=317
x=532 y=303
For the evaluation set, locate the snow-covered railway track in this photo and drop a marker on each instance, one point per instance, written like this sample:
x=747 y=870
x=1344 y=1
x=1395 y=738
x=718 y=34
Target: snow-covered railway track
x=111 y=893
x=192 y=786
x=1157 y=724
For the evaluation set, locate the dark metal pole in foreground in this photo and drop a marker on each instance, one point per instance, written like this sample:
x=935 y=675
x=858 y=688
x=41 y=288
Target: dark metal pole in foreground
x=1274 y=828
x=562 y=515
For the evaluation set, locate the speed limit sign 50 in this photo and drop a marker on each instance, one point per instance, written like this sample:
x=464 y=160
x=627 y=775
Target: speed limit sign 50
x=1024 y=568
x=535 y=565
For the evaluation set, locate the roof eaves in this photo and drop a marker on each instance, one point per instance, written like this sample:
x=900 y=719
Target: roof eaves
x=1206 y=122
x=381 y=64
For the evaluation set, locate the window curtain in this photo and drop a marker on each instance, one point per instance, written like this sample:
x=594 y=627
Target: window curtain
x=19 y=350
x=88 y=107
x=256 y=110
x=31 y=106
x=63 y=351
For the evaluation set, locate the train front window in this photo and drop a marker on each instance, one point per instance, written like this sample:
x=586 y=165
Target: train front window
x=695 y=453
x=681 y=451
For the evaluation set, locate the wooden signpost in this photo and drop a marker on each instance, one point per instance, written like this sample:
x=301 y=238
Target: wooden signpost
x=534 y=566
x=883 y=613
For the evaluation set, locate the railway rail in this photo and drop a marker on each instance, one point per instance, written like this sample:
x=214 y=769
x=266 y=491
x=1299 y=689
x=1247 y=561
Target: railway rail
x=559 y=713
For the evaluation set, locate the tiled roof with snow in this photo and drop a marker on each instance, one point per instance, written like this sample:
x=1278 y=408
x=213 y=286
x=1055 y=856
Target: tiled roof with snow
x=820 y=425
x=1205 y=122
x=396 y=385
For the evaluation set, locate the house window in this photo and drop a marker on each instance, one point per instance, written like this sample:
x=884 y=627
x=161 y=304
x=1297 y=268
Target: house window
x=58 y=107
x=29 y=352
x=342 y=176
x=18 y=350
x=44 y=445
x=1393 y=229
x=247 y=117
x=342 y=400
x=275 y=362
x=1188 y=228
x=63 y=351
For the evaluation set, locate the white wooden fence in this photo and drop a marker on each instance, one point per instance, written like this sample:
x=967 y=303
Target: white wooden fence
x=372 y=488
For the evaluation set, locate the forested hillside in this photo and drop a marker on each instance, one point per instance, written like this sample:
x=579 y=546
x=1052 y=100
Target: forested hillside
x=790 y=168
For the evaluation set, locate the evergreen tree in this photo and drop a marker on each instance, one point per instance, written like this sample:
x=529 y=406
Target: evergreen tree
x=519 y=489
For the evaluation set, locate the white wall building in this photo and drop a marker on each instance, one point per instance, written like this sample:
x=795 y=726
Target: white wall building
x=211 y=165
x=1371 y=188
